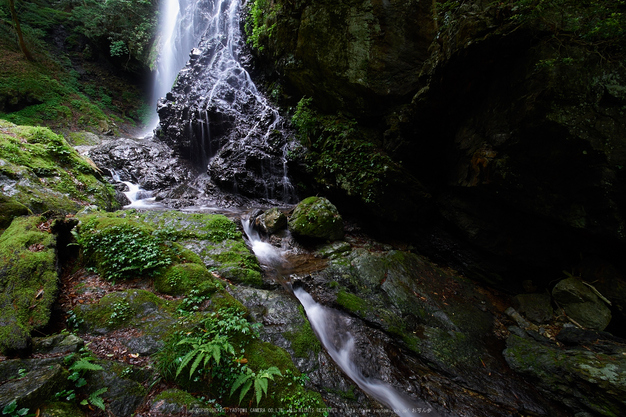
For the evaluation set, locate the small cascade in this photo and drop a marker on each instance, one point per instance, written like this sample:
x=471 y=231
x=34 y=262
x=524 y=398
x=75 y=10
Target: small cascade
x=138 y=197
x=265 y=252
x=340 y=346
x=330 y=328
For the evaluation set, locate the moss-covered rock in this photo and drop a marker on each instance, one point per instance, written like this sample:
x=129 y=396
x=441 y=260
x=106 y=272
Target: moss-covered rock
x=585 y=381
x=36 y=387
x=316 y=217
x=132 y=308
x=174 y=401
x=40 y=170
x=214 y=238
x=61 y=409
x=180 y=279
x=271 y=221
x=582 y=304
x=28 y=281
x=9 y=209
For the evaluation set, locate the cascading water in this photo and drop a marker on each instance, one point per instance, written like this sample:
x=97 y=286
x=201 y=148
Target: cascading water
x=215 y=116
x=181 y=25
x=339 y=344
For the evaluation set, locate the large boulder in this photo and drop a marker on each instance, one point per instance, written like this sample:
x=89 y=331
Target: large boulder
x=587 y=382
x=582 y=304
x=316 y=217
x=41 y=171
x=28 y=281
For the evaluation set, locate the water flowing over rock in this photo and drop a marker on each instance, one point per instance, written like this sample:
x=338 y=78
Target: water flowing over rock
x=216 y=117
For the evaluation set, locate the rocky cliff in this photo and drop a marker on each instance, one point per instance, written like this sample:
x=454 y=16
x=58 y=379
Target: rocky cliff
x=504 y=122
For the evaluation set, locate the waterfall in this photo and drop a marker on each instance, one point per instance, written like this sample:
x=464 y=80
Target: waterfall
x=216 y=117
x=181 y=26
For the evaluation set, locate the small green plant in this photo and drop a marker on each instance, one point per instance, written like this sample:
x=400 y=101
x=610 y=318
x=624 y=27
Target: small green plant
x=121 y=313
x=259 y=379
x=11 y=410
x=203 y=351
x=123 y=250
x=81 y=365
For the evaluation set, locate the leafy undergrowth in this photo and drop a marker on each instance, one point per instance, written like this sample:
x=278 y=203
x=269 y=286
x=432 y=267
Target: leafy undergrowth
x=68 y=86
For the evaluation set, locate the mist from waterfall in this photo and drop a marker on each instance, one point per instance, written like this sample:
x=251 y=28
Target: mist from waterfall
x=181 y=26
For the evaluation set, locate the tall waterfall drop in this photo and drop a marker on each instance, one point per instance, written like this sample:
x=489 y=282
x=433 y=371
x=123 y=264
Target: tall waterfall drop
x=216 y=117
x=181 y=26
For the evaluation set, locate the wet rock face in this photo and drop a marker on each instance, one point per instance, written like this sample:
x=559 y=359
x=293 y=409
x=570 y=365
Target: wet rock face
x=216 y=117
x=149 y=163
x=352 y=55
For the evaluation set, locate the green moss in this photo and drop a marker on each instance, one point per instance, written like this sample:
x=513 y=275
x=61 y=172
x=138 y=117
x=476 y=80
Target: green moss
x=304 y=341
x=9 y=209
x=235 y=262
x=121 y=309
x=123 y=247
x=28 y=279
x=179 y=397
x=179 y=279
x=316 y=217
x=222 y=299
x=352 y=303
x=49 y=173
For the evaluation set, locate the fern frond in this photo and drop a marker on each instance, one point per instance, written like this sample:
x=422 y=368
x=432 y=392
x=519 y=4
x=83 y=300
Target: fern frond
x=240 y=380
x=195 y=363
x=84 y=365
x=260 y=387
x=245 y=389
x=96 y=400
x=186 y=359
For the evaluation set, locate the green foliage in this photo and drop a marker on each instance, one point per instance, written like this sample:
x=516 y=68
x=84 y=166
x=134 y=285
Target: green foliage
x=260 y=380
x=340 y=156
x=79 y=365
x=128 y=26
x=124 y=249
x=203 y=351
x=261 y=22
x=11 y=410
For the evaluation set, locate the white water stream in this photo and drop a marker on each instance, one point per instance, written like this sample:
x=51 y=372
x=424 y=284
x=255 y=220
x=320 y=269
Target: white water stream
x=181 y=25
x=336 y=340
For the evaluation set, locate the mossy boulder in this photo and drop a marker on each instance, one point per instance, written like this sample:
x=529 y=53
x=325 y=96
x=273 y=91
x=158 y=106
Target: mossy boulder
x=316 y=217
x=37 y=386
x=180 y=279
x=587 y=382
x=131 y=308
x=9 y=209
x=175 y=401
x=28 y=281
x=61 y=409
x=214 y=238
x=271 y=221
x=122 y=247
x=40 y=170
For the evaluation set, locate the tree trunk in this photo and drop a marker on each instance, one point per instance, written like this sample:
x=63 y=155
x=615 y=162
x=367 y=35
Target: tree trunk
x=16 y=22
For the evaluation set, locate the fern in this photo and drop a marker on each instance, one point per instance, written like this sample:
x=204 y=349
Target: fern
x=203 y=351
x=95 y=398
x=84 y=364
x=259 y=379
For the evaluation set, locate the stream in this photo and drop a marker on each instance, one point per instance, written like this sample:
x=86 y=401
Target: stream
x=222 y=147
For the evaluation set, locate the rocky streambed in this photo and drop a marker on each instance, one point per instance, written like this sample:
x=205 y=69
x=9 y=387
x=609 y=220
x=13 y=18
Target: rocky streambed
x=133 y=284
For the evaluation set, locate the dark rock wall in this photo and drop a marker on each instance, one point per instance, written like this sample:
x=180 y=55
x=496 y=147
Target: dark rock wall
x=518 y=135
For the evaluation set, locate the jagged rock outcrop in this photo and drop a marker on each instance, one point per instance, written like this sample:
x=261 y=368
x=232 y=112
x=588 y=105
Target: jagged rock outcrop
x=215 y=116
